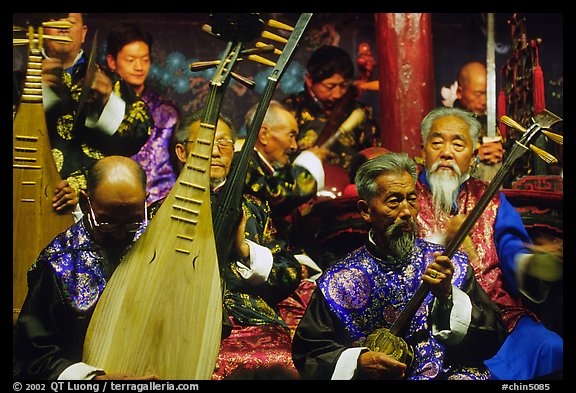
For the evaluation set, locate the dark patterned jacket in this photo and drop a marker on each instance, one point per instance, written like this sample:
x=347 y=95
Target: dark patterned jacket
x=312 y=118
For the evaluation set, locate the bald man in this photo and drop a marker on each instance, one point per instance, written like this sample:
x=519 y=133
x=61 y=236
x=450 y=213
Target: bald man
x=471 y=95
x=67 y=279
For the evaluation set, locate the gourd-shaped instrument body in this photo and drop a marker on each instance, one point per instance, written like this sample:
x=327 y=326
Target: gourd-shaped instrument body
x=35 y=223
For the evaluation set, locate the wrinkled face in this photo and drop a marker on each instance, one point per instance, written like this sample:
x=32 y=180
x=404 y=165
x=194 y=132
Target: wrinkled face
x=396 y=204
x=222 y=150
x=279 y=141
x=473 y=94
x=448 y=146
x=132 y=64
x=330 y=90
x=77 y=32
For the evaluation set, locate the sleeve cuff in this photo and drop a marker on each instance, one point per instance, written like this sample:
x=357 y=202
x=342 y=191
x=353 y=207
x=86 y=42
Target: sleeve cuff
x=111 y=116
x=261 y=261
x=347 y=364
x=313 y=164
x=80 y=371
x=460 y=318
x=49 y=98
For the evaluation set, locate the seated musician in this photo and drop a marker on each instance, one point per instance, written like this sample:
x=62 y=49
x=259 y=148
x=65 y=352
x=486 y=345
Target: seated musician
x=68 y=277
x=260 y=271
x=274 y=174
x=326 y=101
x=508 y=266
x=455 y=328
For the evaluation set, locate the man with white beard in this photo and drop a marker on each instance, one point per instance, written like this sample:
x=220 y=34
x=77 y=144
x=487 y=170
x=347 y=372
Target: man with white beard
x=456 y=327
x=506 y=263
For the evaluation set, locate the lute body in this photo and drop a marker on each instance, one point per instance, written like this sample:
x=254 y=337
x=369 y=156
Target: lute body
x=161 y=312
x=35 y=223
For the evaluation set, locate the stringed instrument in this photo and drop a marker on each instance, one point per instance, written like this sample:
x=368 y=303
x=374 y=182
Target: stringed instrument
x=389 y=340
x=35 y=223
x=229 y=209
x=161 y=311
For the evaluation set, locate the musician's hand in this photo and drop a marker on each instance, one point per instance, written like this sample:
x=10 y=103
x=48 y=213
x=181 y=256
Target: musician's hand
x=126 y=377
x=547 y=263
x=65 y=196
x=52 y=70
x=491 y=153
x=101 y=88
x=378 y=365
x=438 y=275
x=241 y=248
x=468 y=244
x=320 y=152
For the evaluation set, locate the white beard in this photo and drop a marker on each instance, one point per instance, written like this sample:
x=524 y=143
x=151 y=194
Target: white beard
x=444 y=187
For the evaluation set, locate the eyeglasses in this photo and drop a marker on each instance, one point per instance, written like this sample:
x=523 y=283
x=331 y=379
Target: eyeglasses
x=108 y=227
x=331 y=86
x=224 y=145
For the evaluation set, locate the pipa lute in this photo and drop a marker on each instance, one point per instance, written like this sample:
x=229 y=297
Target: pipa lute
x=161 y=311
x=34 y=174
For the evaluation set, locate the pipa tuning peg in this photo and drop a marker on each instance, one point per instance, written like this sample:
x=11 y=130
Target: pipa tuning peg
x=58 y=24
x=276 y=51
x=264 y=48
x=559 y=139
x=208 y=30
x=543 y=154
x=279 y=25
x=59 y=38
x=512 y=123
x=262 y=60
x=243 y=80
x=203 y=65
x=273 y=37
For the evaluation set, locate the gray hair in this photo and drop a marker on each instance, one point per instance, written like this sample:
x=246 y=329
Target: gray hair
x=182 y=131
x=271 y=118
x=436 y=113
x=397 y=163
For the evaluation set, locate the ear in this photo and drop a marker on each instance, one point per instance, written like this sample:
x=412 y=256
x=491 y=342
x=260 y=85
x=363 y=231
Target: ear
x=459 y=92
x=263 y=135
x=83 y=201
x=364 y=210
x=423 y=153
x=111 y=62
x=180 y=150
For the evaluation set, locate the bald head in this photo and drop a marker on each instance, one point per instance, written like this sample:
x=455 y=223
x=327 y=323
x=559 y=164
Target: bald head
x=113 y=171
x=116 y=195
x=472 y=87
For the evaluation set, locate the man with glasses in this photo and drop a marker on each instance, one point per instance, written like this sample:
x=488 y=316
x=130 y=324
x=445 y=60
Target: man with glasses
x=67 y=279
x=327 y=100
x=260 y=271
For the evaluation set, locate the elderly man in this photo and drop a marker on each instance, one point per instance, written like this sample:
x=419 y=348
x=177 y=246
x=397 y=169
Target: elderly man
x=260 y=270
x=455 y=328
x=67 y=279
x=500 y=248
x=471 y=95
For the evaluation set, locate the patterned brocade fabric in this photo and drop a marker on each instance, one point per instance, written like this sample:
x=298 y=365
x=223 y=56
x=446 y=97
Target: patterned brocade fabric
x=487 y=269
x=367 y=293
x=154 y=156
x=312 y=119
x=254 y=348
x=76 y=147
